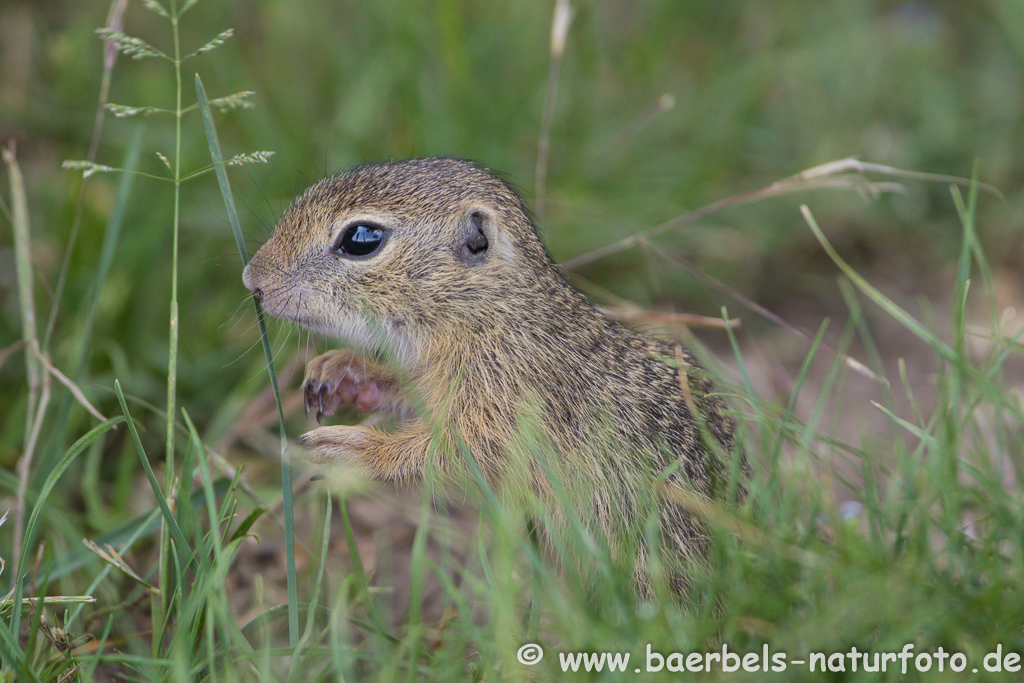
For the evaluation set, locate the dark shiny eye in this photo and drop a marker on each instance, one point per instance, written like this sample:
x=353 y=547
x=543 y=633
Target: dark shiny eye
x=360 y=240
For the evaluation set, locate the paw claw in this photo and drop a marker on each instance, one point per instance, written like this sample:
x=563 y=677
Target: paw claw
x=343 y=378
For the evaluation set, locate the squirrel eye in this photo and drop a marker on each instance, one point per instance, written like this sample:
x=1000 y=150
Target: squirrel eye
x=360 y=240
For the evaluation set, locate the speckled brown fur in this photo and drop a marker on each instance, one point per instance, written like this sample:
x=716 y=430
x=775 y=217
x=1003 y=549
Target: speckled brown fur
x=477 y=349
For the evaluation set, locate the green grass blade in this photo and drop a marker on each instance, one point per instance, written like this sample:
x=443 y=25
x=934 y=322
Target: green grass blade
x=51 y=481
x=218 y=167
x=910 y=427
x=183 y=547
x=886 y=304
x=967 y=215
x=65 y=462
x=358 y=569
x=124 y=536
x=286 y=463
x=242 y=530
x=307 y=634
x=798 y=384
x=12 y=654
x=208 y=495
x=24 y=276
x=214 y=572
x=84 y=326
x=111 y=238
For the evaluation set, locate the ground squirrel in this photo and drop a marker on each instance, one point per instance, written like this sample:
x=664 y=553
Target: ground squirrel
x=496 y=366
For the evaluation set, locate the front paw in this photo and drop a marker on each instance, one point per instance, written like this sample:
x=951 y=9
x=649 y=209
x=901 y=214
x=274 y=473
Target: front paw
x=344 y=377
x=337 y=443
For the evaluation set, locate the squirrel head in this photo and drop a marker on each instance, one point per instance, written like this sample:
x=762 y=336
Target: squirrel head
x=391 y=257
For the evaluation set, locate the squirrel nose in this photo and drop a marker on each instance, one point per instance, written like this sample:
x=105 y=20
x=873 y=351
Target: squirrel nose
x=250 y=283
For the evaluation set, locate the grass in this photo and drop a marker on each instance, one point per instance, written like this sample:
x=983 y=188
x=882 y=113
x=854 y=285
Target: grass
x=896 y=536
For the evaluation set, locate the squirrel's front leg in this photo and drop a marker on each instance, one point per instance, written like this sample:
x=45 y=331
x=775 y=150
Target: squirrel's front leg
x=399 y=456
x=343 y=376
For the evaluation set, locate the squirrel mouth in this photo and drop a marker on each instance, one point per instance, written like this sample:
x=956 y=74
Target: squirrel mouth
x=287 y=311
x=295 y=316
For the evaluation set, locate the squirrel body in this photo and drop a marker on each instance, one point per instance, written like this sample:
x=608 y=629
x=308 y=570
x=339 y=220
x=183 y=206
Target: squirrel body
x=464 y=327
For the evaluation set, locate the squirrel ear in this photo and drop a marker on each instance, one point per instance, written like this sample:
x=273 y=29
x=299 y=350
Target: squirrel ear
x=474 y=245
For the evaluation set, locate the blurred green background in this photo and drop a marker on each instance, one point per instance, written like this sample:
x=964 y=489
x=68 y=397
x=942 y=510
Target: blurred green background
x=761 y=90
